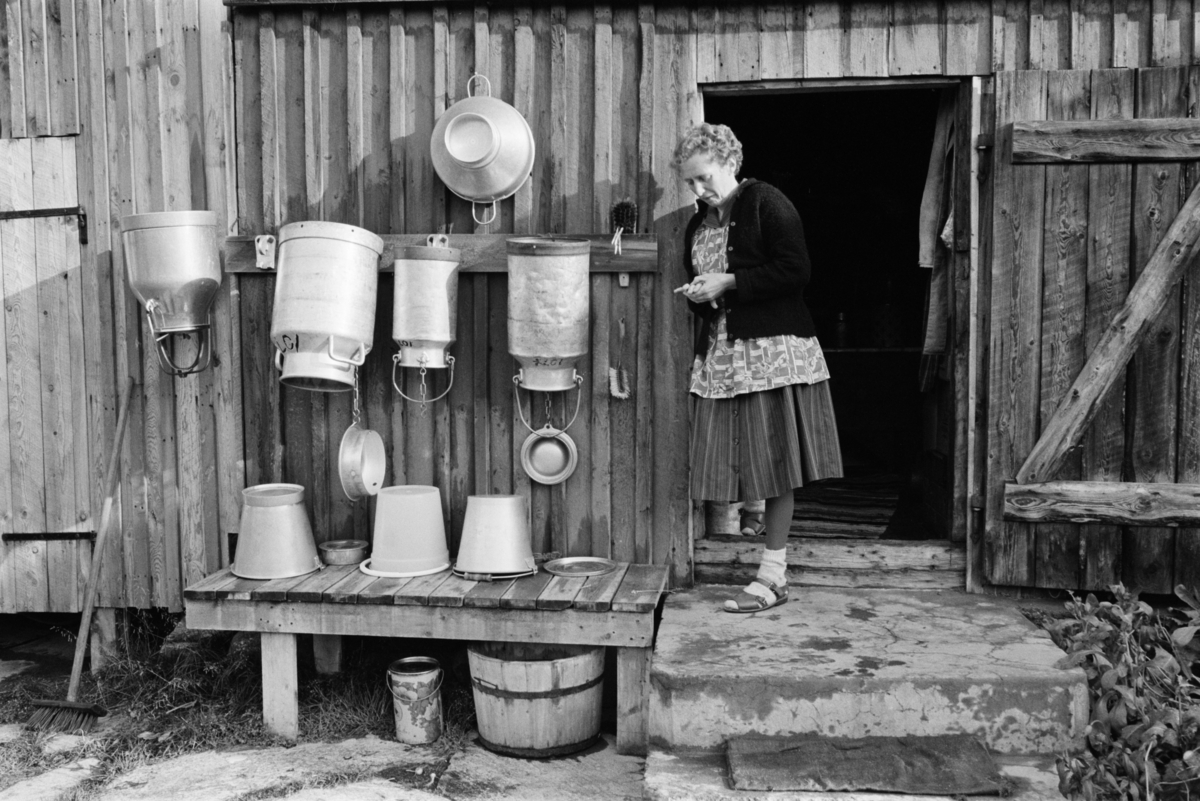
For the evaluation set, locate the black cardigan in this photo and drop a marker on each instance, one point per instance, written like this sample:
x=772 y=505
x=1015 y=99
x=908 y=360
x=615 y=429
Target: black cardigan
x=769 y=262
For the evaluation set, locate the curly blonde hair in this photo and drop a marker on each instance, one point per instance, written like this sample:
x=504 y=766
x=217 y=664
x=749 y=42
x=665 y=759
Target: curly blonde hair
x=716 y=141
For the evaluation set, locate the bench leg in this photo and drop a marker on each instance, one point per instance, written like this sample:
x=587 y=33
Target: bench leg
x=281 y=708
x=633 y=700
x=327 y=653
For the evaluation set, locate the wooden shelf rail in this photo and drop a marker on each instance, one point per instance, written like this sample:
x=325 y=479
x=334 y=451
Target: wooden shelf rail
x=481 y=253
x=1116 y=502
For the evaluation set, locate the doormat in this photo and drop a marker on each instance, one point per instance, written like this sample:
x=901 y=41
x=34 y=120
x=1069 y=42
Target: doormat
x=951 y=764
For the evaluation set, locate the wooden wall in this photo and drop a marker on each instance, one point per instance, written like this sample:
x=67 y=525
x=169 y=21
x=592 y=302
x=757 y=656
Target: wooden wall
x=147 y=86
x=1070 y=239
x=322 y=133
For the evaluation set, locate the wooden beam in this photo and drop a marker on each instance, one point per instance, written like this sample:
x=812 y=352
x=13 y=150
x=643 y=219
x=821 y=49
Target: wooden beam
x=481 y=253
x=1105 y=141
x=806 y=554
x=1116 y=502
x=1121 y=339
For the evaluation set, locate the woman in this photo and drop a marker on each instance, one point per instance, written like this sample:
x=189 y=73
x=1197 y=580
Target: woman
x=763 y=420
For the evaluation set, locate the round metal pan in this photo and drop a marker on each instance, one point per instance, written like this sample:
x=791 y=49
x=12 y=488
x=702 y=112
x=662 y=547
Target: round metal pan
x=580 y=566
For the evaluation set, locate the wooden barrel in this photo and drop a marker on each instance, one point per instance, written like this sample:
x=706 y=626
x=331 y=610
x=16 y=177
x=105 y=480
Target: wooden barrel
x=537 y=700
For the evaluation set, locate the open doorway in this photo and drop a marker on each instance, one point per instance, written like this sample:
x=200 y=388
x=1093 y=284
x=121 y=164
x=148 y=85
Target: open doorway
x=854 y=163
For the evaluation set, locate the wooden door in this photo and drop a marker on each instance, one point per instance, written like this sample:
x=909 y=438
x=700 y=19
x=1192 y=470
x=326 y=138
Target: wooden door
x=1092 y=399
x=46 y=480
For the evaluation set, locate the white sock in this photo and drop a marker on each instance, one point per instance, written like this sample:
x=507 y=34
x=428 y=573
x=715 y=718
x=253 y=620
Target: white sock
x=773 y=567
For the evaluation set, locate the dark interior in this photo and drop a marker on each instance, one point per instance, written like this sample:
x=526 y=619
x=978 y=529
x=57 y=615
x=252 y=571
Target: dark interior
x=854 y=164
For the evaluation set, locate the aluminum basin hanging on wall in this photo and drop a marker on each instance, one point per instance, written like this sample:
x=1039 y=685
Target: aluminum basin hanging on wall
x=482 y=149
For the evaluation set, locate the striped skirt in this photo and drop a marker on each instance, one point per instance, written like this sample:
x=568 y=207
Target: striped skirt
x=763 y=444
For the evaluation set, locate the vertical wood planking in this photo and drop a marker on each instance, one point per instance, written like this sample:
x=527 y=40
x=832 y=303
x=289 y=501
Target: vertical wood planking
x=821 y=50
x=1015 y=324
x=775 y=43
x=968 y=37
x=867 y=39
x=36 y=70
x=444 y=219
x=27 y=562
x=1010 y=35
x=8 y=556
x=915 y=46
x=643 y=386
x=1091 y=34
x=677 y=100
x=1064 y=281
x=399 y=124
x=1187 y=539
x=12 y=114
x=1172 y=32
x=1110 y=189
x=135 y=515
x=1153 y=392
x=1131 y=33
x=601 y=463
x=1049 y=34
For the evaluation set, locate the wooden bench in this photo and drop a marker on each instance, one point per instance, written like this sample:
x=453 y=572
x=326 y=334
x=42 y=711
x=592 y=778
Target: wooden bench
x=615 y=610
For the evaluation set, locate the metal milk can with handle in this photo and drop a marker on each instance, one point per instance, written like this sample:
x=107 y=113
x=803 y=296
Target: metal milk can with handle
x=426 y=302
x=324 y=315
x=174 y=268
x=548 y=296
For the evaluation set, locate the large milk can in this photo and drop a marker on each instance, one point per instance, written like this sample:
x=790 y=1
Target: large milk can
x=548 y=281
x=324 y=314
x=426 y=302
x=174 y=266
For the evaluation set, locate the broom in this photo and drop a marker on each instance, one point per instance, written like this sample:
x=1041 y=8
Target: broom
x=69 y=715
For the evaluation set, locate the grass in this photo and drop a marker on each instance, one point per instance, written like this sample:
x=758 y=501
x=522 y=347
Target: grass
x=207 y=694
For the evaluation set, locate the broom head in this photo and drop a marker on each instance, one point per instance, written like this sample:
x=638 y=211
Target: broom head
x=64 y=716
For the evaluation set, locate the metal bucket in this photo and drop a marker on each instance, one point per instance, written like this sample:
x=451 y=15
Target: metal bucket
x=173 y=262
x=425 y=307
x=410 y=533
x=323 y=321
x=537 y=700
x=495 y=536
x=548 y=280
x=416 y=686
x=275 y=539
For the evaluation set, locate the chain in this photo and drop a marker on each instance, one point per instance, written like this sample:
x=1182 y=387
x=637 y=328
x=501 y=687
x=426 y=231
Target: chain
x=549 y=408
x=424 y=405
x=357 y=413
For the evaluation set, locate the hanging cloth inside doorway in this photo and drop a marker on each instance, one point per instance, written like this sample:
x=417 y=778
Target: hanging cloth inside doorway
x=936 y=226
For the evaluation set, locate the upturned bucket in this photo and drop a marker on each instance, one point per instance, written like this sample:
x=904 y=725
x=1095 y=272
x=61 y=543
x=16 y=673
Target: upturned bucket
x=548 y=281
x=416 y=686
x=537 y=700
x=323 y=323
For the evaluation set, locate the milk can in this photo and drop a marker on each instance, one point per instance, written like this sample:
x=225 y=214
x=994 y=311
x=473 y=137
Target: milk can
x=426 y=302
x=174 y=267
x=324 y=315
x=548 y=281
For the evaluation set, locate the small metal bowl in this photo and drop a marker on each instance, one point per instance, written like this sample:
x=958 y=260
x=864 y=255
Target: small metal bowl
x=343 y=552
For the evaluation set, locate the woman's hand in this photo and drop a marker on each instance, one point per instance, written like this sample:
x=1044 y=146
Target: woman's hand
x=708 y=287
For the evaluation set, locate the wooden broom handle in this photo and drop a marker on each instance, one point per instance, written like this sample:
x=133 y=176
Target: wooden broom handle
x=110 y=488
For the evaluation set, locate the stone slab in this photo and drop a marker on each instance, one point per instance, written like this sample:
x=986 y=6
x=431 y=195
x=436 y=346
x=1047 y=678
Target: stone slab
x=856 y=663
x=595 y=773
x=703 y=777
x=53 y=784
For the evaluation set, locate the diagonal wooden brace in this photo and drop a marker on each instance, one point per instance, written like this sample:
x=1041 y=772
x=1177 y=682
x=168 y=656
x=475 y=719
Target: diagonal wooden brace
x=1116 y=347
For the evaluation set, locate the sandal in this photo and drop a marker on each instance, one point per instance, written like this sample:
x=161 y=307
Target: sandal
x=753 y=526
x=747 y=603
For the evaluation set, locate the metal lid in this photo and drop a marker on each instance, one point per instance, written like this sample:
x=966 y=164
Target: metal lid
x=548 y=245
x=168 y=219
x=549 y=456
x=331 y=230
x=273 y=494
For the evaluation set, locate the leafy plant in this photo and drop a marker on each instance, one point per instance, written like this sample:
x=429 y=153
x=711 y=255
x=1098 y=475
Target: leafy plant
x=1143 y=669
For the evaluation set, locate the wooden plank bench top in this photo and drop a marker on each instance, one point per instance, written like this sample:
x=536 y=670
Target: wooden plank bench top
x=616 y=610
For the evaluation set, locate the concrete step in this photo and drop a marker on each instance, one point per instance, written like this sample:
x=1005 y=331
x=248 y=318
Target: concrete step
x=704 y=777
x=853 y=663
